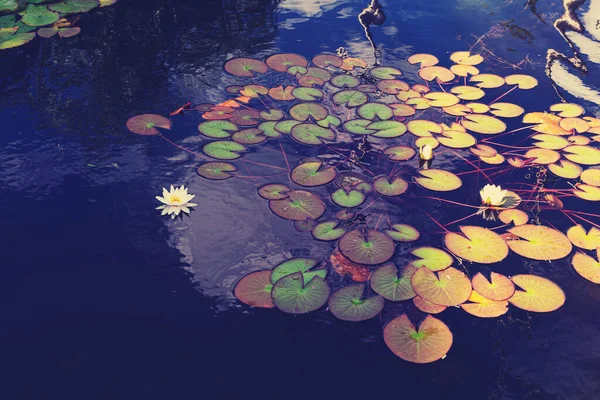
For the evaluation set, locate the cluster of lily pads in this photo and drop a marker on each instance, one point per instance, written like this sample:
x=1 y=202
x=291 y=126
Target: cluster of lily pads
x=371 y=113
x=21 y=19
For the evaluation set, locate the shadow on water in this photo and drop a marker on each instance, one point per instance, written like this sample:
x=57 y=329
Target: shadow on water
x=103 y=299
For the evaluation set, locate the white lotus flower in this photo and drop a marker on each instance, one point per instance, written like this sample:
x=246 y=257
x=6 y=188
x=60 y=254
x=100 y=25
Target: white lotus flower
x=175 y=201
x=426 y=152
x=493 y=196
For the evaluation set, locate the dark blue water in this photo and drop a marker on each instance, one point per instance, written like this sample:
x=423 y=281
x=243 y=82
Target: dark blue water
x=103 y=299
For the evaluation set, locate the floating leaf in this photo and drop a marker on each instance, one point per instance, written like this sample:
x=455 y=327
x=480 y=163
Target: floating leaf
x=450 y=287
x=351 y=62
x=467 y=92
x=217 y=129
x=591 y=177
x=538 y=295
x=385 y=72
x=286 y=126
x=457 y=139
x=370 y=248
x=587 y=192
x=292 y=295
x=506 y=110
x=432 y=258
x=481 y=307
x=483 y=124
x=584 y=155
x=35 y=15
x=249 y=136
x=441 y=99
x=391 y=284
x=566 y=110
x=358 y=127
x=498 y=288
x=350 y=98
x=429 y=343
x=327 y=60
x=246 y=67
x=268 y=129
x=551 y=142
x=488 y=81
x=350 y=199
x=348 y=304
x=392 y=86
x=399 y=153
x=524 y=82
x=372 y=110
x=477 y=244
x=255 y=289
x=387 y=129
x=403 y=233
x=517 y=217
x=306 y=225
x=342 y=266
x=427 y=306
x=385 y=187
x=328 y=231
x=438 y=180
x=423 y=128
x=311 y=134
x=307 y=93
x=539 y=242
x=16 y=40
x=436 y=73
x=224 y=150
x=542 y=156
x=272 y=115
x=574 y=125
x=583 y=240
x=146 y=124
x=282 y=94
x=311 y=174
x=216 y=171
x=74 y=6
x=466 y=58
x=274 y=191
x=587 y=266
x=304 y=265
x=425 y=60
x=283 y=62
x=304 y=111
x=298 y=206
x=345 y=81
x=245 y=117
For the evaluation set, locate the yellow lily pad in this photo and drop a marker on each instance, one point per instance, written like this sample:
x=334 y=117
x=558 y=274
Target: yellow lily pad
x=425 y=60
x=551 y=129
x=587 y=266
x=457 y=139
x=427 y=306
x=579 y=139
x=588 y=241
x=585 y=155
x=488 y=81
x=567 y=109
x=423 y=128
x=449 y=287
x=440 y=73
x=408 y=94
x=524 y=82
x=419 y=103
x=477 y=244
x=587 y=192
x=466 y=58
x=467 y=92
x=464 y=70
x=438 y=180
x=574 y=125
x=538 y=295
x=478 y=108
x=591 y=176
x=433 y=258
x=506 y=110
x=457 y=110
x=441 y=99
x=517 y=217
x=402 y=110
x=539 y=242
x=481 y=307
x=496 y=160
x=540 y=118
x=483 y=150
x=550 y=142
x=483 y=124
x=542 y=156
x=565 y=169
x=498 y=288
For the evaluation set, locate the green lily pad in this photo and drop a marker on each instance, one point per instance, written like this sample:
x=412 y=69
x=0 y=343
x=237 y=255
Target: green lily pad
x=372 y=110
x=311 y=134
x=350 y=98
x=255 y=289
x=298 y=206
x=249 y=136
x=10 y=6
x=392 y=285
x=304 y=265
x=384 y=187
x=274 y=191
x=303 y=111
x=387 y=129
x=432 y=258
x=403 y=233
x=268 y=129
x=16 y=40
x=348 y=304
x=358 y=127
x=74 y=6
x=224 y=150
x=217 y=129
x=399 y=153
x=305 y=226
x=272 y=114
x=307 y=94
x=292 y=295
x=369 y=248
x=286 y=126
x=38 y=16
x=311 y=174
x=353 y=198
x=385 y=72
x=216 y=171
x=330 y=121
x=328 y=231
x=345 y=81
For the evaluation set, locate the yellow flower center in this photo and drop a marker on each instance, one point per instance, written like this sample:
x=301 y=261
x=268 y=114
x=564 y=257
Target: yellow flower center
x=174 y=199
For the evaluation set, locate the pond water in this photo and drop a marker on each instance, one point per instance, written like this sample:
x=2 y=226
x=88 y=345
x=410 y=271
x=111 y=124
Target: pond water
x=104 y=298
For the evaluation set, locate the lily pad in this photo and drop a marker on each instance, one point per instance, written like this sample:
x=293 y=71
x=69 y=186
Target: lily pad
x=430 y=342
x=358 y=126
x=345 y=81
x=353 y=198
x=375 y=110
x=588 y=241
x=342 y=266
x=438 y=180
x=403 y=233
x=538 y=295
x=498 y=288
x=399 y=153
x=587 y=266
x=304 y=265
x=216 y=171
x=249 y=136
x=146 y=124
x=224 y=150
x=311 y=134
x=481 y=307
x=427 y=306
x=348 y=304
x=449 y=287
x=392 y=284
x=477 y=244
x=255 y=289
x=303 y=111
x=74 y=6
x=306 y=225
x=245 y=67
x=312 y=174
x=16 y=40
x=217 y=129
x=283 y=62
x=307 y=94
x=298 y=206
x=385 y=72
x=539 y=242
x=385 y=187
x=369 y=248
x=327 y=61
x=350 y=98
x=387 y=129
x=328 y=231
x=292 y=295
x=274 y=191
x=38 y=15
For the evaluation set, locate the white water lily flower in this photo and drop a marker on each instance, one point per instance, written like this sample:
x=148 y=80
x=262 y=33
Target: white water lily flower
x=493 y=196
x=175 y=201
x=426 y=152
